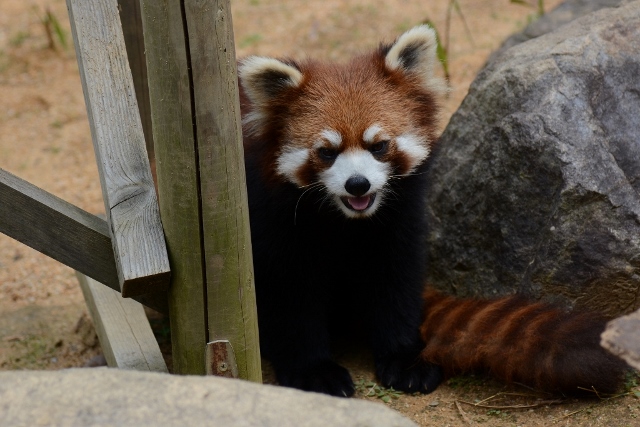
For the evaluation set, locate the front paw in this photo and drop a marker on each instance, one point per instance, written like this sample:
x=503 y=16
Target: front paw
x=408 y=373
x=322 y=377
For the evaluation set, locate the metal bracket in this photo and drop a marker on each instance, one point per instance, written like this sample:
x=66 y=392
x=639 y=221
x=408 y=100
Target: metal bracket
x=221 y=359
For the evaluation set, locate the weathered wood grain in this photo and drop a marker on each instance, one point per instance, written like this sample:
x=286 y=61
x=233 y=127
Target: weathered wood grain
x=123 y=328
x=231 y=304
x=131 y=19
x=56 y=228
x=116 y=129
x=178 y=186
x=63 y=232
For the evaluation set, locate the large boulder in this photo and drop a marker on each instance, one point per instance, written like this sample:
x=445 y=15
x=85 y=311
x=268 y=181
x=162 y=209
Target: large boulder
x=113 y=397
x=564 y=13
x=622 y=338
x=535 y=182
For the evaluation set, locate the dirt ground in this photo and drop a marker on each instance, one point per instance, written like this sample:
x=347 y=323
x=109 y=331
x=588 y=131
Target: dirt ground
x=45 y=139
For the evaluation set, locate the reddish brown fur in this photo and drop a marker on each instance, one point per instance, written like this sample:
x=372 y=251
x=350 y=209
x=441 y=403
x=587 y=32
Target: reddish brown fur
x=519 y=341
x=347 y=98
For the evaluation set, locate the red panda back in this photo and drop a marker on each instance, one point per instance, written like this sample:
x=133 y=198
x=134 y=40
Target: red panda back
x=516 y=340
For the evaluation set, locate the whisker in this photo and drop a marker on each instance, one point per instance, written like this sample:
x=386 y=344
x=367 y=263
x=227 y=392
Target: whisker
x=309 y=187
x=313 y=184
x=398 y=176
x=324 y=199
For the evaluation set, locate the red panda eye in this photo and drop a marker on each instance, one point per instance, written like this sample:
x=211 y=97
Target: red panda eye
x=379 y=148
x=327 y=153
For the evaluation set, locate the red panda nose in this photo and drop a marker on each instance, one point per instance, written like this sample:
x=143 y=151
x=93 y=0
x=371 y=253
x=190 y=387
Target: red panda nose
x=357 y=185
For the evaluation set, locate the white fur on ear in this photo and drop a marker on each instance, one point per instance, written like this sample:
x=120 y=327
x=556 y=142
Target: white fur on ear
x=415 y=52
x=264 y=78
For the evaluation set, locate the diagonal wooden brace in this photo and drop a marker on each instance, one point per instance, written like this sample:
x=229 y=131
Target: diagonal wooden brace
x=127 y=186
x=63 y=232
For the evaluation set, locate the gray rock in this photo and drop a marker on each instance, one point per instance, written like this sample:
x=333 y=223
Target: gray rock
x=564 y=13
x=535 y=182
x=111 y=397
x=622 y=338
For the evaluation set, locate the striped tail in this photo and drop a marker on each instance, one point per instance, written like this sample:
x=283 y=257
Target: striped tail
x=516 y=340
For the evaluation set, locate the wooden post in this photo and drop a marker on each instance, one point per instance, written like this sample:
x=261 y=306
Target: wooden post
x=131 y=19
x=127 y=187
x=196 y=125
x=178 y=180
x=225 y=215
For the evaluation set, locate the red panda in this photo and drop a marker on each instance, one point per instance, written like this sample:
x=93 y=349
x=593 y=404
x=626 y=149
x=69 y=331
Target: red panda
x=517 y=340
x=336 y=157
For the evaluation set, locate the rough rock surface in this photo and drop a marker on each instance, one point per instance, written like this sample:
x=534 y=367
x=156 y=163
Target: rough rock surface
x=566 y=12
x=535 y=183
x=622 y=338
x=111 y=397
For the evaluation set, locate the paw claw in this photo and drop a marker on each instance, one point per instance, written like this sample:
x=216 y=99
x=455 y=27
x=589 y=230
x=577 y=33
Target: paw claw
x=323 y=377
x=403 y=372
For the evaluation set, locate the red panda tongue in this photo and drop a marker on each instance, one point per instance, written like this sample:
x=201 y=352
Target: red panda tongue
x=359 y=203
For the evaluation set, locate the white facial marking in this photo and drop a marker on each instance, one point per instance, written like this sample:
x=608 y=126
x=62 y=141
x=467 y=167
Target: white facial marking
x=414 y=147
x=334 y=137
x=369 y=135
x=348 y=164
x=290 y=161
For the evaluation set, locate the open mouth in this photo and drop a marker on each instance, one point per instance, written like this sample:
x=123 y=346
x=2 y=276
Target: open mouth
x=359 y=204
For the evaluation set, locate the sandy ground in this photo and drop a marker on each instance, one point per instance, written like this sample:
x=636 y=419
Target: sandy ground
x=45 y=139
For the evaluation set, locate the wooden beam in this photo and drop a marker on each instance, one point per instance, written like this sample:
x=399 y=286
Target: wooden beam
x=178 y=186
x=123 y=328
x=56 y=228
x=127 y=187
x=63 y=232
x=131 y=19
x=231 y=303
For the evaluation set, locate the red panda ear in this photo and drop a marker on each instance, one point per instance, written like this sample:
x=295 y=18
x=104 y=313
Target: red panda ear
x=264 y=78
x=415 y=52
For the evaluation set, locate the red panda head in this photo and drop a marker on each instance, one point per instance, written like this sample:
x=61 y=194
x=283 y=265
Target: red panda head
x=349 y=128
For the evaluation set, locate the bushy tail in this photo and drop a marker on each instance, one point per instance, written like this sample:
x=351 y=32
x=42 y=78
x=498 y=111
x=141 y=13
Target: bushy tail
x=516 y=340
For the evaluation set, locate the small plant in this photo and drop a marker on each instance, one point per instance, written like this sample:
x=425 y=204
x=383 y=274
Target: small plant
x=57 y=124
x=371 y=389
x=454 y=6
x=406 y=25
x=539 y=5
x=632 y=380
x=53 y=149
x=441 y=50
x=250 y=40
x=18 y=39
x=32 y=352
x=53 y=28
x=4 y=61
x=443 y=43
x=465 y=381
x=498 y=413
